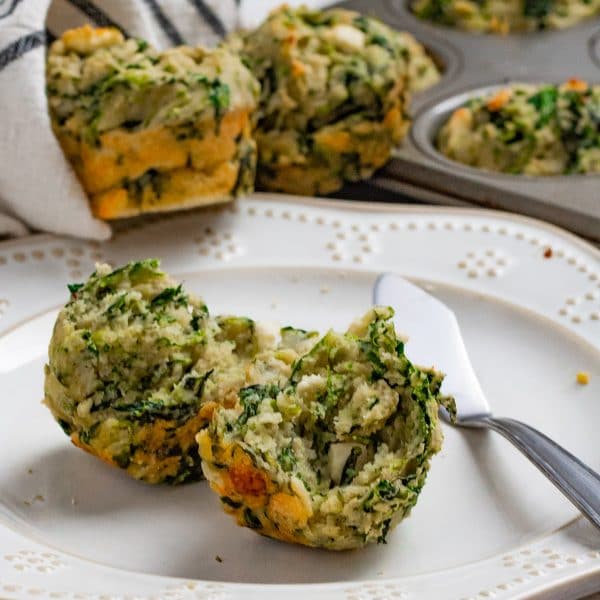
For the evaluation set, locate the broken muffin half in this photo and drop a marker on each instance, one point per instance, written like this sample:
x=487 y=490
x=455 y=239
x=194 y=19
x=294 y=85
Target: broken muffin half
x=137 y=366
x=337 y=455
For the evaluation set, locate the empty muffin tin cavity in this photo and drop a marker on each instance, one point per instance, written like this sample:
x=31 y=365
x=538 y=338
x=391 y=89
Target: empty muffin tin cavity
x=446 y=58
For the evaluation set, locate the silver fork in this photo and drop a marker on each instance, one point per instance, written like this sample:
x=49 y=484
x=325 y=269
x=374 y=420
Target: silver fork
x=435 y=335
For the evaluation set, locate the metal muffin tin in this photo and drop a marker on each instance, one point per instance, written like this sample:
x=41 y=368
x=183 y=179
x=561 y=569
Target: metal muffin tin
x=475 y=64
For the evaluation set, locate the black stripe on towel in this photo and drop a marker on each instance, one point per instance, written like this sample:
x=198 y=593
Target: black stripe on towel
x=19 y=47
x=210 y=17
x=165 y=23
x=97 y=15
x=50 y=37
x=7 y=11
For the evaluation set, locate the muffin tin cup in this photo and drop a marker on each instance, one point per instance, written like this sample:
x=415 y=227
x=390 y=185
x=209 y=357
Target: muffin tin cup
x=476 y=64
x=430 y=120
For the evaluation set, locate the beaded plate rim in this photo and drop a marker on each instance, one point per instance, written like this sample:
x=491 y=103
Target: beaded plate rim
x=354 y=239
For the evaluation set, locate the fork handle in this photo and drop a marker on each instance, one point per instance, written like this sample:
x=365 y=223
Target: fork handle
x=579 y=483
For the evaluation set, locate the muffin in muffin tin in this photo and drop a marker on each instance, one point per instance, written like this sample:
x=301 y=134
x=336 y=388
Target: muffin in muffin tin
x=528 y=129
x=506 y=16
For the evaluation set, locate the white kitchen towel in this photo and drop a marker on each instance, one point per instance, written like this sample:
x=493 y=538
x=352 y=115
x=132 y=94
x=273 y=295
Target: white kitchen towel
x=38 y=188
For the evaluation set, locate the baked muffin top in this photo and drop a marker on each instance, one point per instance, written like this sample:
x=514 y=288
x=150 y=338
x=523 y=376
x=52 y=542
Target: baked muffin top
x=98 y=81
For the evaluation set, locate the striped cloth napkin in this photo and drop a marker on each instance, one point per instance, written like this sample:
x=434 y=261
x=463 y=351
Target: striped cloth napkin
x=38 y=189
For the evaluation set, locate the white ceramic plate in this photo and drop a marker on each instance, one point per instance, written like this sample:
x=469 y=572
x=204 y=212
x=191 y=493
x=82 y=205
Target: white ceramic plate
x=487 y=523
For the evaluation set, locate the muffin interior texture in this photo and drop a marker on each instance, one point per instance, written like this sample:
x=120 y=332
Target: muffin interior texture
x=337 y=455
x=137 y=365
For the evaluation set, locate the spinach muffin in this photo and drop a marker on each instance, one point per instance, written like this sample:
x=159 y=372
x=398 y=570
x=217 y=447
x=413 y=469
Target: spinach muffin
x=528 y=129
x=148 y=131
x=505 y=16
x=337 y=455
x=137 y=366
x=334 y=95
